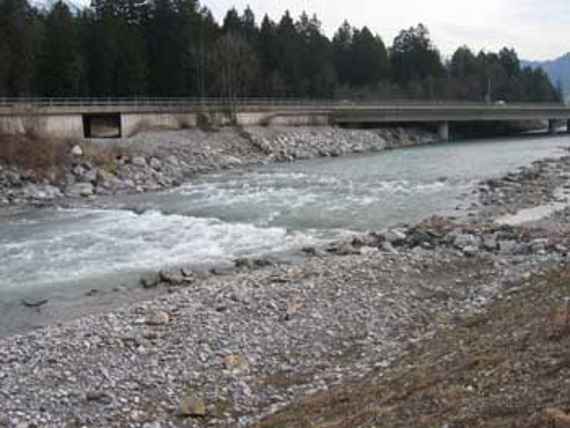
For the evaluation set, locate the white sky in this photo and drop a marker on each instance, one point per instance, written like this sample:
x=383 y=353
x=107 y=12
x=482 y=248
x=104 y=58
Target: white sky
x=538 y=30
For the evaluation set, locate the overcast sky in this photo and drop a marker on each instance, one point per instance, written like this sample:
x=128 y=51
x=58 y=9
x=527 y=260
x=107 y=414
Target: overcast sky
x=537 y=29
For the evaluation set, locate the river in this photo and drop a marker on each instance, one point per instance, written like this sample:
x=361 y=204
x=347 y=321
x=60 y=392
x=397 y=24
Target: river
x=59 y=254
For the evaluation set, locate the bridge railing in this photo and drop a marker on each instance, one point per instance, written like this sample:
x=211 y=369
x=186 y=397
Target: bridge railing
x=252 y=102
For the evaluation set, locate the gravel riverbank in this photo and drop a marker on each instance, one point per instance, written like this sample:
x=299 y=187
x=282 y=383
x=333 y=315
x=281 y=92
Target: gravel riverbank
x=227 y=350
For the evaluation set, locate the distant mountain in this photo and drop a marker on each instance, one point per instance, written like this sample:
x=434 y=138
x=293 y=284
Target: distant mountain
x=558 y=70
x=74 y=5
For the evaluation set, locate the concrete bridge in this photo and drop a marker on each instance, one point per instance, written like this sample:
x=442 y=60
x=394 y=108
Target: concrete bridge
x=85 y=118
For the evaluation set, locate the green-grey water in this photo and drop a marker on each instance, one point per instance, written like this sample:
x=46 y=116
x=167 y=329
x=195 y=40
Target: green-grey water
x=271 y=210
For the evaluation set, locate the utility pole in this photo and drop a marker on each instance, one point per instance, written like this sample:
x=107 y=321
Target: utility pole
x=488 y=97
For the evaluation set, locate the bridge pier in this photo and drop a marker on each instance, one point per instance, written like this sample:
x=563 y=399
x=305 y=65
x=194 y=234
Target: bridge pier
x=552 y=127
x=443 y=131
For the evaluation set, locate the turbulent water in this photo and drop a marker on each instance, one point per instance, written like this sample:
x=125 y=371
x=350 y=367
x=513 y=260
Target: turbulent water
x=272 y=210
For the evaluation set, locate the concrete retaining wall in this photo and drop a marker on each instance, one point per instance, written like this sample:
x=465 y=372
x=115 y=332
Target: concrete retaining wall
x=133 y=123
x=64 y=126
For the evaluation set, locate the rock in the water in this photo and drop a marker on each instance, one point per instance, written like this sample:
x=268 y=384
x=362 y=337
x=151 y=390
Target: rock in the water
x=395 y=236
x=150 y=280
x=172 y=277
x=344 y=249
x=389 y=248
x=252 y=263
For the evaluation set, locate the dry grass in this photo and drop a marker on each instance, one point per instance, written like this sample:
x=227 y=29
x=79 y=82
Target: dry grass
x=509 y=367
x=46 y=158
x=50 y=159
x=103 y=155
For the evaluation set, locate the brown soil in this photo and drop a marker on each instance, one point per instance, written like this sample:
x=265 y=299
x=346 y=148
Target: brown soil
x=508 y=367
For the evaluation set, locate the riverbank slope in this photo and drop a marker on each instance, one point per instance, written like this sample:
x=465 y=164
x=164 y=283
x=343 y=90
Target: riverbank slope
x=44 y=173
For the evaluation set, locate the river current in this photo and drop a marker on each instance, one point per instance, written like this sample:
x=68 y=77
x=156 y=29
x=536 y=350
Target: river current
x=277 y=209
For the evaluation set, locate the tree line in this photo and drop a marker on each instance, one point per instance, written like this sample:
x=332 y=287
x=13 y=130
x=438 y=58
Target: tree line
x=175 y=48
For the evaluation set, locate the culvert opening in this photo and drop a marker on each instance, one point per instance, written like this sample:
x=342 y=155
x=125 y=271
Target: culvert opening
x=106 y=125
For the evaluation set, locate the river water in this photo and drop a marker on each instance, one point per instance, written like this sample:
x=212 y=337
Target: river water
x=59 y=254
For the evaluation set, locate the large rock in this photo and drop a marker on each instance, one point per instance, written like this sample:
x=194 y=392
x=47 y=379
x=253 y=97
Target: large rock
x=41 y=192
x=150 y=280
x=80 y=189
x=463 y=241
x=395 y=236
x=107 y=180
x=89 y=176
x=77 y=151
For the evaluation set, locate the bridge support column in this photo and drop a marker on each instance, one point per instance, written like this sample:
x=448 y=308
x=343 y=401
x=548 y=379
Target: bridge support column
x=443 y=131
x=568 y=126
x=552 y=127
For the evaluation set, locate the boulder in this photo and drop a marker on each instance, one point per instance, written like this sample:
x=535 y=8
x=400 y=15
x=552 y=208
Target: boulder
x=539 y=245
x=470 y=251
x=462 y=241
x=150 y=280
x=77 y=151
x=344 y=249
x=173 y=277
x=395 y=236
x=107 y=180
x=89 y=176
x=41 y=192
x=80 y=189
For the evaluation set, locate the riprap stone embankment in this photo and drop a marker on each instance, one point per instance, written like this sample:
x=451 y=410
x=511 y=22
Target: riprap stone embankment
x=158 y=160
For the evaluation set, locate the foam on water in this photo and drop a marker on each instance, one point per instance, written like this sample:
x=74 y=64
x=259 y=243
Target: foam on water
x=100 y=241
x=272 y=210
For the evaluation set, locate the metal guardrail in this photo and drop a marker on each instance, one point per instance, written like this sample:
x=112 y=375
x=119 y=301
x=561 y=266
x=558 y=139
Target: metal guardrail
x=253 y=102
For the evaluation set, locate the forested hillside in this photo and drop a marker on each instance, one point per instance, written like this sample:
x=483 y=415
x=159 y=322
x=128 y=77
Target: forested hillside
x=175 y=48
x=558 y=70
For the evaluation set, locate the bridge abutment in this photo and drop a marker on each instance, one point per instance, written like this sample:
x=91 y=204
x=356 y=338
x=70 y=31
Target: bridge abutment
x=443 y=131
x=552 y=127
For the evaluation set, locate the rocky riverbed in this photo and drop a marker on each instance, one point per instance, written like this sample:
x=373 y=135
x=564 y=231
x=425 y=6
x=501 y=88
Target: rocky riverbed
x=159 y=160
x=228 y=348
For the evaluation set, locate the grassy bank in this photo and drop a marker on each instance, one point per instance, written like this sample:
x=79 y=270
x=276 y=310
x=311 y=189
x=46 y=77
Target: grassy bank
x=508 y=367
